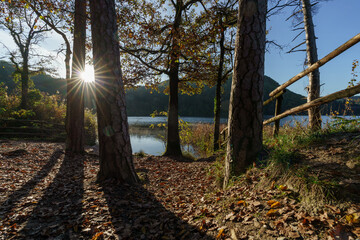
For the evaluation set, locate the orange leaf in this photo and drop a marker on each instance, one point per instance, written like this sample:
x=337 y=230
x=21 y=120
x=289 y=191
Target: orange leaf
x=272 y=212
x=282 y=187
x=220 y=234
x=241 y=202
x=97 y=235
x=272 y=185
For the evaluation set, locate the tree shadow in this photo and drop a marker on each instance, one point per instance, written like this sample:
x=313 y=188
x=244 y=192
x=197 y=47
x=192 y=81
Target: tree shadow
x=59 y=212
x=137 y=214
x=25 y=190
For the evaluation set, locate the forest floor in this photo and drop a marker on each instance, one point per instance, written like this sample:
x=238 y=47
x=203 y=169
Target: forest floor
x=48 y=195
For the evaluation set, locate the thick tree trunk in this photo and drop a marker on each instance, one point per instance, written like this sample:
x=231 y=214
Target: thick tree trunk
x=173 y=147
x=245 y=111
x=75 y=95
x=312 y=57
x=114 y=140
x=24 y=85
x=217 y=101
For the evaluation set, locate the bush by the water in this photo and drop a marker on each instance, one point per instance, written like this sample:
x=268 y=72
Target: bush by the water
x=43 y=107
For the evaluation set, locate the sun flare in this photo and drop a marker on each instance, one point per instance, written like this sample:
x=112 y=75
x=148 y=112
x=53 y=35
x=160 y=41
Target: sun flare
x=88 y=75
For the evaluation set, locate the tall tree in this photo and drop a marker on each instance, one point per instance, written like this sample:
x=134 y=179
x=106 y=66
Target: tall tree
x=75 y=87
x=26 y=31
x=312 y=57
x=245 y=110
x=114 y=141
x=224 y=16
x=166 y=42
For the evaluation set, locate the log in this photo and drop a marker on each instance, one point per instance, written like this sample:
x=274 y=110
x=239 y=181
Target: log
x=348 y=92
x=319 y=63
x=274 y=97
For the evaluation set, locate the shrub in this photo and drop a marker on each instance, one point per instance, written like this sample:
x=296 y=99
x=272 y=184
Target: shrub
x=90 y=125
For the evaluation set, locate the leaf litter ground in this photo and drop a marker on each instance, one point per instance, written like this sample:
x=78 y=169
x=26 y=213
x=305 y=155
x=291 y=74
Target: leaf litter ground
x=47 y=195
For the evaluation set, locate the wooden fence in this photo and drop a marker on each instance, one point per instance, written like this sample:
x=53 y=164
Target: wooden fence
x=279 y=91
x=17 y=128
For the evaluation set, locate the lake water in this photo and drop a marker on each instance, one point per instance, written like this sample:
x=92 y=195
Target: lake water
x=150 y=140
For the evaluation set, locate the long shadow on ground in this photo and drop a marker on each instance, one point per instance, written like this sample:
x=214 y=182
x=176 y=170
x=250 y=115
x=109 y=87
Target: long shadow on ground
x=59 y=213
x=136 y=214
x=25 y=190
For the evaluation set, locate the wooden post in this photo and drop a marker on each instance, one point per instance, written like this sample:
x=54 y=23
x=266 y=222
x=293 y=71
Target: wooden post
x=277 y=112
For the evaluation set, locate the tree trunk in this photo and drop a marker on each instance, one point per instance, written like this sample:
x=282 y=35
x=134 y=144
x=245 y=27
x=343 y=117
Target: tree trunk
x=24 y=85
x=217 y=101
x=75 y=95
x=245 y=111
x=314 y=77
x=115 y=152
x=173 y=147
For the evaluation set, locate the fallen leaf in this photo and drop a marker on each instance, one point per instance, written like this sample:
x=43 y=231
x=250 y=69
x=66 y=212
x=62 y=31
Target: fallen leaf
x=220 y=234
x=271 y=202
x=275 y=205
x=272 y=212
x=353 y=218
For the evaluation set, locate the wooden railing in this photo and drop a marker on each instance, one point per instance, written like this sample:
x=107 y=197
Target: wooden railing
x=18 y=128
x=279 y=91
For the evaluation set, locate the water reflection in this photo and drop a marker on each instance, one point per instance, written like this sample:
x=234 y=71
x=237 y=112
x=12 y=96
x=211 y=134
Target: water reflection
x=146 y=139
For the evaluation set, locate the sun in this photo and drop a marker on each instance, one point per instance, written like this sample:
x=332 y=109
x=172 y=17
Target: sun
x=88 y=75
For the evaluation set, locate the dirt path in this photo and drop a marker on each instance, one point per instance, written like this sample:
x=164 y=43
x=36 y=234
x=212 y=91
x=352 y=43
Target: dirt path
x=47 y=195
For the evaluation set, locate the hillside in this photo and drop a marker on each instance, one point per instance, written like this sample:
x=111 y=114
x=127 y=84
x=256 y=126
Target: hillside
x=43 y=82
x=143 y=102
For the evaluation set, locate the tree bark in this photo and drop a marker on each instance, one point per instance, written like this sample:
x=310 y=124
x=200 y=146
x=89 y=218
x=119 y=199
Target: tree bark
x=115 y=152
x=173 y=147
x=312 y=57
x=217 y=101
x=75 y=87
x=24 y=84
x=245 y=111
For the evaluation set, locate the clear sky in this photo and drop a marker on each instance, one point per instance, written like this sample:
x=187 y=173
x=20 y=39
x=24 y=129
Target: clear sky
x=335 y=23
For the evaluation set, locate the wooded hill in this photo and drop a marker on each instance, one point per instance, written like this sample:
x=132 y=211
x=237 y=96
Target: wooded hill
x=143 y=102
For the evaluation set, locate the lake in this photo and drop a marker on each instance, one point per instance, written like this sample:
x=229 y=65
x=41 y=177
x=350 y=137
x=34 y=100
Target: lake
x=150 y=140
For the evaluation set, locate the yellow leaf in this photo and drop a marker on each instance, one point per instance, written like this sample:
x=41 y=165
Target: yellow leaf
x=275 y=205
x=271 y=202
x=282 y=188
x=272 y=212
x=353 y=218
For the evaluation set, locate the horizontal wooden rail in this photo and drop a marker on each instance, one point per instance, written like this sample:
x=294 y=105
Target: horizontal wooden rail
x=274 y=97
x=348 y=92
x=319 y=63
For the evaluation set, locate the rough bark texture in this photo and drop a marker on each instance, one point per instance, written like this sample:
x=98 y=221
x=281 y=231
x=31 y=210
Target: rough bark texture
x=312 y=57
x=75 y=86
x=114 y=140
x=245 y=111
x=217 y=101
x=173 y=147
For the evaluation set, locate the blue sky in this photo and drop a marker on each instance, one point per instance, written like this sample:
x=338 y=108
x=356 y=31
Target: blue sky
x=336 y=22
